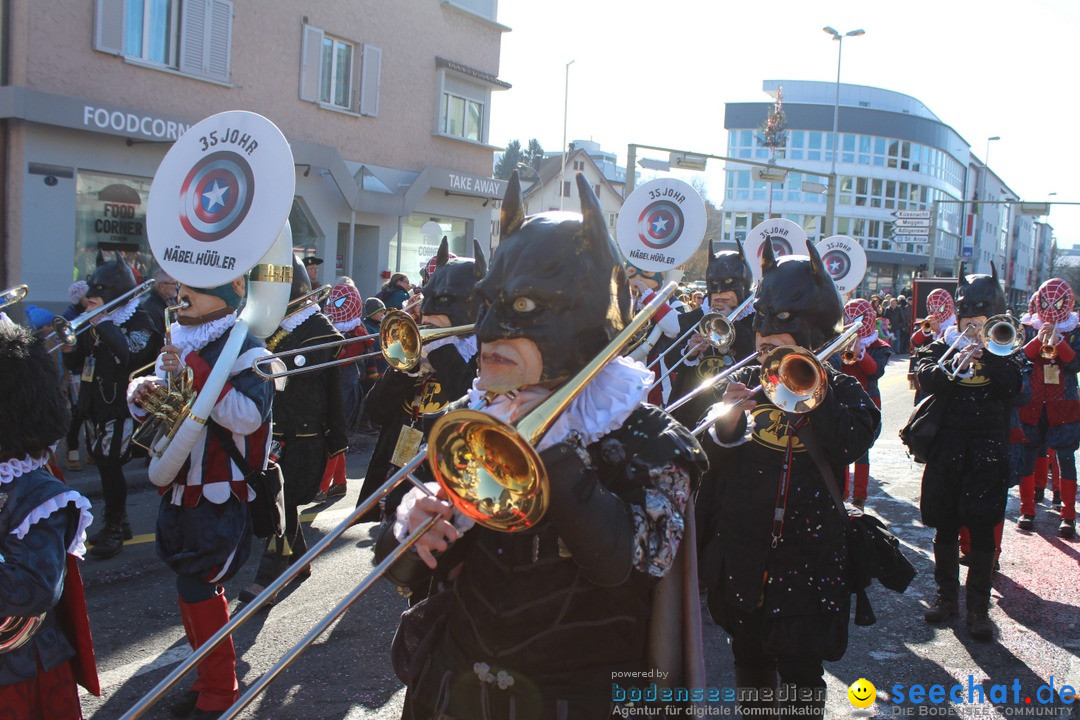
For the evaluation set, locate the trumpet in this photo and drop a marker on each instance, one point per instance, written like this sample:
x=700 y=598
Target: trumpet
x=793 y=378
x=1000 y=335
x=13 y=295
x=399 y=336
x=926 y=325
x=1049 y=350
x=68 y=332
x=168 y=404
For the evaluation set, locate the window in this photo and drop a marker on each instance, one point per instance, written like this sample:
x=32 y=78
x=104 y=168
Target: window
x=596 y=190
x=463 y=110
x=565 y=189
x=579 y=164
x=611 y=219
x=193 y=37
x=335 y=72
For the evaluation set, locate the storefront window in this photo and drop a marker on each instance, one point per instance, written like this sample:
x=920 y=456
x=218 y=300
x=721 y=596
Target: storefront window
x=421 y=235
x=305 y=238
x=110 y=214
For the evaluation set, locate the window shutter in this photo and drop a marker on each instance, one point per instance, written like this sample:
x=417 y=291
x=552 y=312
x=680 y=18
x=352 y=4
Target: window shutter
x=371 y=78
x=193 y=37
x=109 y=26
x=219 y=39
x=310 y=61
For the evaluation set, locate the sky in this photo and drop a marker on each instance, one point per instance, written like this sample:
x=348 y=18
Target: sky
x=659 y=73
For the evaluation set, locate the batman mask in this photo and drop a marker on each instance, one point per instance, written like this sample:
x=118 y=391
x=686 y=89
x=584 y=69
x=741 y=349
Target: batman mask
x=110 y=279
x=728 y=271
x=555 y=279
x=979 y=294
x=301 y=283
x=797 y=296
x=451 y=288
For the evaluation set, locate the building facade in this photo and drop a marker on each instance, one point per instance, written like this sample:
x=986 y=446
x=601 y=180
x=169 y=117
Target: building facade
x=545 y=190
x=893 y=154
x=389 y=130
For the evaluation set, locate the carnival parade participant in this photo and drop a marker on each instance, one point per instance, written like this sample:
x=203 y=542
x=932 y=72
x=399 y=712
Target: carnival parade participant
x=309 y=423
x=1051 y=420
x=203 y=528
x=728 y=279
x=775 y=562
x=941 y=312
x=870 y=357
x=664 y=331
x=42 y=530
x=966 y=479
x=119 y=343
x=538 y=620
x=399 y=399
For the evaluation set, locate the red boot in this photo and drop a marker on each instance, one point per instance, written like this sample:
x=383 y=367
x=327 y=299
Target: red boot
x=862 y=480
x=1027 y=501
x=1067 y=529
x=217 y=684
x=965 y=545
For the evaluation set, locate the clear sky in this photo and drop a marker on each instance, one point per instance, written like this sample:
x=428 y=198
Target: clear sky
x=659 y=73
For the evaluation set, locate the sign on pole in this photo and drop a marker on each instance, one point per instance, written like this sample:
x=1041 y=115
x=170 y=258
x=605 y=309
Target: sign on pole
x=911 y=222
x=911 y=231
x=912 y=214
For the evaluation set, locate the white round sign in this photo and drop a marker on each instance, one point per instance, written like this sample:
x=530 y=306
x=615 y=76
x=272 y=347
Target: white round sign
x=219 y=198
x=788 y=238
x=661 y=224
x=845 y=260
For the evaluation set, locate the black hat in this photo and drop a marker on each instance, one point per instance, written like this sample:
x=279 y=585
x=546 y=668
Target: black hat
x=301 y=283
x=372 y=305
x=34 y=413
x=312 y=260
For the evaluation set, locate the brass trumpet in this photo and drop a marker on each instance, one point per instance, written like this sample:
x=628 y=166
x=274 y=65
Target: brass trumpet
x=167 y=404
x=13 y=295
x=926 y=325
x=399 y=336
x=1049 y=351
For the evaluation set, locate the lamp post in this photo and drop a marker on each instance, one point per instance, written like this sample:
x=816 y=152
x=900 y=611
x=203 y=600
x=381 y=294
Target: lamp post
x=566 y=102
x=540 y=180
x=830 y=198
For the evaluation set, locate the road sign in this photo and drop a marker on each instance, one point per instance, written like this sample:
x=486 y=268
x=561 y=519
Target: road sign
x=912 y=214
x=913 y=231
x=1032 y=208
x=687 y=161
x=652 y=164
x=911 y=222
x=908 y=238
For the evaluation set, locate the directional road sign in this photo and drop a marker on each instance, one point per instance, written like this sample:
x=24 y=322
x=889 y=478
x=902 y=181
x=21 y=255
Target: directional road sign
x=914 y=231
x=911 y=222
x=912 y=214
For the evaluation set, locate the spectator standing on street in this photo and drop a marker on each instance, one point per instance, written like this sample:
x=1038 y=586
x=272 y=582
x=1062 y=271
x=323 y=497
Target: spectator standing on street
x=396 y=291
x=903 y=330
x=161 y=297
x=311 y=266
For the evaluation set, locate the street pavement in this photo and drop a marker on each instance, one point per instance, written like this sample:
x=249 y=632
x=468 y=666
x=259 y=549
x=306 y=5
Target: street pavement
x=347 y=673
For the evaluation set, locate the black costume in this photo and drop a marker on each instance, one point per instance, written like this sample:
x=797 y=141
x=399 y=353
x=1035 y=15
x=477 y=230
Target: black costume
x=966 y=481
x=539 y=619
x=399 y=399
x=106 y=355
x=775 y=561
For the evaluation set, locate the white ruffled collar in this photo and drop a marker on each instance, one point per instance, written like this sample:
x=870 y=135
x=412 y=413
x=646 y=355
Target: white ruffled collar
x=190 y=338
x=952 y=333
x=1068 y=324
x=466 y=346
x=602 y=406
x=291 y=322
x=17 y=467
x=349 y=325
x=121 y=315
x=863 y=343
x=745 y=312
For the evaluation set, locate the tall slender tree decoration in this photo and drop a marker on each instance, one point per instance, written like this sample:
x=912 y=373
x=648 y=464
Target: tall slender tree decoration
x=774 y=134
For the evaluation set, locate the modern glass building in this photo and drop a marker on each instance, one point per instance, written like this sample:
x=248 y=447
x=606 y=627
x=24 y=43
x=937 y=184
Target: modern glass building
x=893 y=154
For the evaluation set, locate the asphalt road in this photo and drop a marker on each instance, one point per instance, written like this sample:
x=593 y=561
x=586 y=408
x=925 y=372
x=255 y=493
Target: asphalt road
x=347 y=674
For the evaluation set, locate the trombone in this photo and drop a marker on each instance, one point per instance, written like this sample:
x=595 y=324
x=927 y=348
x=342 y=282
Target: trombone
x=317 y=297
x=13 y=295
x=698 y=328
x=719 y=333
x=483 y=429
x=793 y=378
x=399 y=336
x=67 y=332
x=1000 y=335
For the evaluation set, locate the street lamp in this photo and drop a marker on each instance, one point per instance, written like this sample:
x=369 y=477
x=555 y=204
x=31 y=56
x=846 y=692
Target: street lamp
x=566 y=101
x=988 y=141
x=830 y=198
x=540 y=180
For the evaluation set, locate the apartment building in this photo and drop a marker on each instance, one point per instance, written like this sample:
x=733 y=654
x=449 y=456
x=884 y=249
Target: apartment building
x=386 y=107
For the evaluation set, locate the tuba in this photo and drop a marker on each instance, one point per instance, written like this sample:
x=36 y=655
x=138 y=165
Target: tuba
x=249 y=236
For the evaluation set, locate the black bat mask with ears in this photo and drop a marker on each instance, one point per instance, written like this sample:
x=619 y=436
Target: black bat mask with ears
x=979 y=294
x=110 y=279
x=557 y=279
x=451 y=289
x=728 y=270
x=797 y=296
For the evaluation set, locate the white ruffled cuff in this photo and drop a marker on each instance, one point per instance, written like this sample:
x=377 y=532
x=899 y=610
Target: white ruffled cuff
x=47 y=508
x=739 y=440
x=401 y=518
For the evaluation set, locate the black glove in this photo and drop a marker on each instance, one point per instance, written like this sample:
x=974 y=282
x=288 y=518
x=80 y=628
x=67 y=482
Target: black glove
x=597 y=526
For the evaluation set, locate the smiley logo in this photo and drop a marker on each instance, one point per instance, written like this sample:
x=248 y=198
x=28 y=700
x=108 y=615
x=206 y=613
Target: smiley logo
x=862 y=693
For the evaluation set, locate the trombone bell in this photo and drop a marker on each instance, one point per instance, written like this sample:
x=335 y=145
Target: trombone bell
x=717 y=331
x=13 y=295
x=793 y=379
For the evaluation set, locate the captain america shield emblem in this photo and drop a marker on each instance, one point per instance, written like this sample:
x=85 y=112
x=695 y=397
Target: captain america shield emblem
x=837 y=263
x=660 y=224
x=215 y=196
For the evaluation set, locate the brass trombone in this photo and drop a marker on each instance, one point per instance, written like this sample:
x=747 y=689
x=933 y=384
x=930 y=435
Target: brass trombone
x=399 y=336
x=460 y=428
x=68 y=332
x=718 y=332
x=1000 y=335
x=314 y=297
x=13 y=295
x=793 y=378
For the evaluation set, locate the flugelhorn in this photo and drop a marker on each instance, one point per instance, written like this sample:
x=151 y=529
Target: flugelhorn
x=13 y=295
x=399 y=336
x=793 y=378
x=68 y=332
